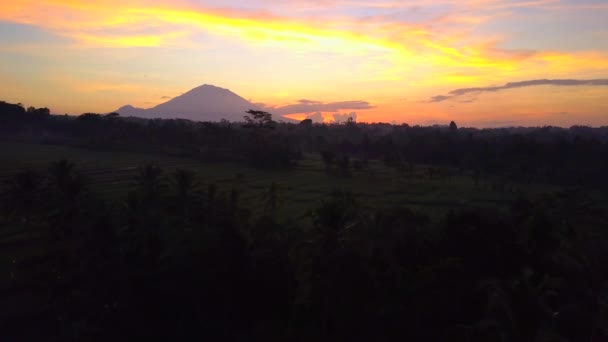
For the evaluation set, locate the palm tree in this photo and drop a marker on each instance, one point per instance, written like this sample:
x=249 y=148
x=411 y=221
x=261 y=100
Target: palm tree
x=149 y=180
x=22 y=194
x=184 y=184
x=272 y=197
x=60 y=173
x=185 y=188
x=335 y=217
x=65 y=178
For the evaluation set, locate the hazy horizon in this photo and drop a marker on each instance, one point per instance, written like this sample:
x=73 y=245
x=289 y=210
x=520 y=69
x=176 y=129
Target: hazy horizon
x=481 y=63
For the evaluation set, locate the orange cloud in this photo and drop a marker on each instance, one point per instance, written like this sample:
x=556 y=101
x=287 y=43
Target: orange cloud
x=111 y=24
x=436 y=56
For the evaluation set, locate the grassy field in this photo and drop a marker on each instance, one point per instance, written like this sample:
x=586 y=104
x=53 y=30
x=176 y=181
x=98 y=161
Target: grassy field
x=112 y=173
x=24 y=252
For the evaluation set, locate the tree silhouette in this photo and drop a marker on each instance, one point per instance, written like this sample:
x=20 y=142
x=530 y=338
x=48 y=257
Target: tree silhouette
x=185 y=189
x=335 y=216
x=22 y=194
x=272 y=198
x=329 y=158
x=453 y=126
x=259 y=119
x=343 y=164
x=64 y=178
x=184 y=184
x=149 y=181
x=179 y=263
x=61 y=172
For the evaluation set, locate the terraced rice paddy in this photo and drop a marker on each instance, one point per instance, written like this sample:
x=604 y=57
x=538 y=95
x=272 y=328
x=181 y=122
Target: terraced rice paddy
x=24 y=255
x=111 y=174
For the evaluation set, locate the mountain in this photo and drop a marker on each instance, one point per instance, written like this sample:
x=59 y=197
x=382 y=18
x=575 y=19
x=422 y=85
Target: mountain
x=204 y=103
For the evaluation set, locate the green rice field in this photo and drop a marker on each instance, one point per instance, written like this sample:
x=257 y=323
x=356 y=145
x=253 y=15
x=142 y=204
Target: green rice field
x=112 y=173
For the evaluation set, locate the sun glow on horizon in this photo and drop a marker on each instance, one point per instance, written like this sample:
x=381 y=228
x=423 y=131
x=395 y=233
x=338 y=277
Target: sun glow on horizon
x=379 y=52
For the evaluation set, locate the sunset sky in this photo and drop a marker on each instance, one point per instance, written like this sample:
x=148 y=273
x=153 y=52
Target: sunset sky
x=477 y=62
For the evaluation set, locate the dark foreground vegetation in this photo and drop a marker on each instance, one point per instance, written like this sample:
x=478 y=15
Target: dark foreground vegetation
x=180 y=258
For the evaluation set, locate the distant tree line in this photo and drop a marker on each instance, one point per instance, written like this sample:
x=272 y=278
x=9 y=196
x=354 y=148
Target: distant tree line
x=178 y=259
x=256 y=141
x=577 y=156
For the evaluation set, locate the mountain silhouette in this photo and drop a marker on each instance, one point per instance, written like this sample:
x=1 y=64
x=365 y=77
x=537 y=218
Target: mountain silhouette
x=204 y=103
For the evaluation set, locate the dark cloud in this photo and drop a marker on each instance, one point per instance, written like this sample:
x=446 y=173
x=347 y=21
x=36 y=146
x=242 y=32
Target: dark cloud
x=439 y=98
x=261 y=105
x=310 y=106
x=513 y=85
x=165 y=97
x=308 y=102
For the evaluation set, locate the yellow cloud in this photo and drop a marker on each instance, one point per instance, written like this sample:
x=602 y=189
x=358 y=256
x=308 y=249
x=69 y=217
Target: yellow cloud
x=111 y=24
x=388 y=50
